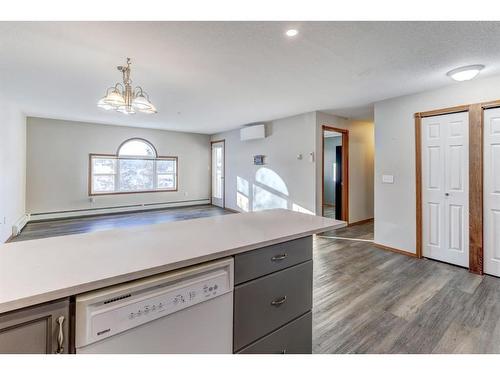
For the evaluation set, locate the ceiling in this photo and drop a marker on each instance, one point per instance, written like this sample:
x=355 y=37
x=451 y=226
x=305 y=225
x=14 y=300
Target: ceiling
x=208 y=77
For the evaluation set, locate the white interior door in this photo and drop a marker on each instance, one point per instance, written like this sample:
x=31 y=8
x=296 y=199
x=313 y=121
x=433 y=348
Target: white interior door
x=491 y=191
x=445 y=188
x=218 y=174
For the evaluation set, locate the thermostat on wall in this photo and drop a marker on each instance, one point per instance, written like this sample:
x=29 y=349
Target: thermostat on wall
x=258 y=159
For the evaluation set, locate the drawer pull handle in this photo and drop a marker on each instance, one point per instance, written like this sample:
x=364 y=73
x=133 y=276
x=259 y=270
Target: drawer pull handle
x=278 y=257
x=279 y=301
x=60 y=336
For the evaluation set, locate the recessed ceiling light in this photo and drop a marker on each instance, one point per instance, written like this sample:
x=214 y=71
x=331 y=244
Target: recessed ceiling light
x=292 y=32
x=465 y=73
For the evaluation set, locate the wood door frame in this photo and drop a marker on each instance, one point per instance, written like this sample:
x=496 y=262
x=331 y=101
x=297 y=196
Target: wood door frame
x=345 y=170
x=223 y=141
x=475 y=180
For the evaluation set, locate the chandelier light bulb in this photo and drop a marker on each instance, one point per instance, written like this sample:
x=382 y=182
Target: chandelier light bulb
x=102 y=104
x=114 y=98
x=151 y=109
x=140 y=102
x=126 y=110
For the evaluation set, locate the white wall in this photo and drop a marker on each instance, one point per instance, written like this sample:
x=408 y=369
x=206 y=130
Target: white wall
x=58 y=162
x=361 y=170
x=286 y=139
x=12 y=166
x=395 y=216
x=284 y=181
x=361 y=164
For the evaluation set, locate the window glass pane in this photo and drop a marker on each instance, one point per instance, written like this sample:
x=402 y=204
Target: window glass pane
x=165 y=166
x=136 y=147
x=136 y=174
x=166 y=181
x=103 y=166
x=103 y=183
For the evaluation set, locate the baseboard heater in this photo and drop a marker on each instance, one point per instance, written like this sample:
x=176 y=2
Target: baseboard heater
x=43 y=216
x=19 y=224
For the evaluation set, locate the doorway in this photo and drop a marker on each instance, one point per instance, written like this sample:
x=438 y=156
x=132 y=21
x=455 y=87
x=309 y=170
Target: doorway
x=335 y=173
x=218 y=170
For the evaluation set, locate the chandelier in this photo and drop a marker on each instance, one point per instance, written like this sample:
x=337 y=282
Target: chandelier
x=124 y=99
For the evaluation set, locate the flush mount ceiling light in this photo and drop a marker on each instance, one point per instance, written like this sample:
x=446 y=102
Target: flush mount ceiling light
x=124 y=99
x=292 y=32
x=465 y=73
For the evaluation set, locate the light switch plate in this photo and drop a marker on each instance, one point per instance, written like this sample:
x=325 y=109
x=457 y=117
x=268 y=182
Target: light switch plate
x=387 y=179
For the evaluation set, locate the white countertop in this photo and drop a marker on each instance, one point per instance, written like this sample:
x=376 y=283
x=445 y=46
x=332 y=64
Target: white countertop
x=42 y=270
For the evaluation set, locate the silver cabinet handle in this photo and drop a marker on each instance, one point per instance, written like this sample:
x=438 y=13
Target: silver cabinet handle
x=60 y=336
x=278 y=257
x=279 y=301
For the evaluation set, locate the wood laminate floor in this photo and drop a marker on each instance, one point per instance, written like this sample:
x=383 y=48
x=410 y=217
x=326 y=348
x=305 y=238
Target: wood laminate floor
x=95 y=223
x=329 y=211
x=366 y=300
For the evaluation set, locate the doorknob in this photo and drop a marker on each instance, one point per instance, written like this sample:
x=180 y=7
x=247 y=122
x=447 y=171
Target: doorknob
x=446 y=194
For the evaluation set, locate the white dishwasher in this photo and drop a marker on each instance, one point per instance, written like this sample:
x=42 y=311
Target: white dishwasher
x=185 y=311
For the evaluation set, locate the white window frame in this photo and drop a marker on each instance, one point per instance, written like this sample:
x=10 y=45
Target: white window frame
x=117 y=159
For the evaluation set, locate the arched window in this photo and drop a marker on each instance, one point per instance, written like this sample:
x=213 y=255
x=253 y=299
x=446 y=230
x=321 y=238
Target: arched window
x=136 y=168
x=137 y=147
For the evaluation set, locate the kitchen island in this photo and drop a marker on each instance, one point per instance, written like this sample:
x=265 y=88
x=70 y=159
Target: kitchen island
x=47 y=270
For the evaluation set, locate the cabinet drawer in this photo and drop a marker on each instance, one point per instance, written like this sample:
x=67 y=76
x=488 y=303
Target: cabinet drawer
x=35 y=330
x=267 y=303
x=294 y=338
x=260 y=262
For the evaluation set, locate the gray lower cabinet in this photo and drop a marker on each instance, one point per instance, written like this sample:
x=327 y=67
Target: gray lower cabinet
x=293 y=338
x=267 y=303
x=272 y=312
x=269 y=259
x=41 y=329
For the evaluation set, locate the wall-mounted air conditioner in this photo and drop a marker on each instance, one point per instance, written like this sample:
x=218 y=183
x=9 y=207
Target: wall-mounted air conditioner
x=251 y=132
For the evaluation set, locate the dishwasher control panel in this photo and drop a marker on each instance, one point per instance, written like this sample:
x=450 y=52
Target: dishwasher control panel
x=174 y=300
x=105 y=318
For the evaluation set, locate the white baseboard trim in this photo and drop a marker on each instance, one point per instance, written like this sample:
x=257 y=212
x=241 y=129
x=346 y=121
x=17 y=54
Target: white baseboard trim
x=20 y=223
x=110 y=210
